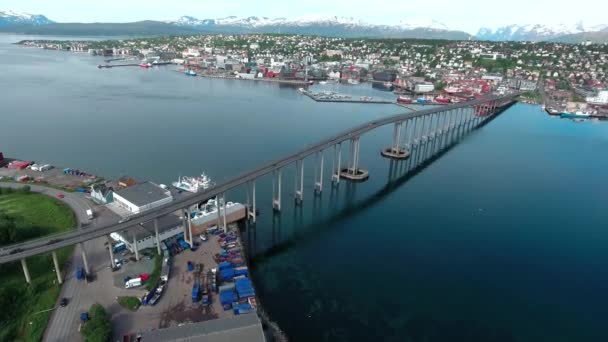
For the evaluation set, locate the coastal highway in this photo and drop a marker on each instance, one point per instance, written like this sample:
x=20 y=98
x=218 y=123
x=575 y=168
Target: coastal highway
x=53 y=242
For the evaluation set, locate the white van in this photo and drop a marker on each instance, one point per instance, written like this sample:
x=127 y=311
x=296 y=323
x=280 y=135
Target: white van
x=135 y=282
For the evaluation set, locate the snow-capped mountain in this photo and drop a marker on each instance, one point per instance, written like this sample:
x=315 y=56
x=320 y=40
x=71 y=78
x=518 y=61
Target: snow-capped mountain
x=536 y=32
x=323 y=25
x=15 y=18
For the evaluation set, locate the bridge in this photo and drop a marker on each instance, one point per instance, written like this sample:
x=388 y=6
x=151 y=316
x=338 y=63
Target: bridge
x=415 y=135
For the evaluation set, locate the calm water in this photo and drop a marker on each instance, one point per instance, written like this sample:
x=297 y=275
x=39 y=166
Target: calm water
x=501 y=239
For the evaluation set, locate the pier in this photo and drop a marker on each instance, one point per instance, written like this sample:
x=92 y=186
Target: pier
x=340 y=98
x=101 y=66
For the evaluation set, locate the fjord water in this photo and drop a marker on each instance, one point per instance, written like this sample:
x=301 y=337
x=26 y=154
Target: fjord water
x=500 y=239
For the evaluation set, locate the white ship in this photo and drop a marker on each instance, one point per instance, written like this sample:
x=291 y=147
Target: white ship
x=208 y=212
x=193 y=184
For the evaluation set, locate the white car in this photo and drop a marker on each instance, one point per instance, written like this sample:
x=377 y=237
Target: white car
x=203 y=237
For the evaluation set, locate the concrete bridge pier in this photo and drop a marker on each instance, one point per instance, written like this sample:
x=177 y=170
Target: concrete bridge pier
x=251 y=211
x=26 y=271
x=57 y=269
x=187 y=226
x=84 y=257
x=112 y=263
x=135 y=248
x=353 y=172
x=299 y=181
x=319 y=172
x=190 y=237
x=276 y=190
x=395 y=151
x=444 y=125
x=224 y=223
x=157 y=236
x=220 y=203
x=335 y=168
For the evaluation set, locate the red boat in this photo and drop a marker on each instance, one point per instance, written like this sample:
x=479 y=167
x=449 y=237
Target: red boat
x=442 y=100
x=403 y=99
x=145 y=65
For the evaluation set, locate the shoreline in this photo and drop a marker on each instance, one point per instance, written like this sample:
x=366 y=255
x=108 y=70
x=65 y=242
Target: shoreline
x=10 y=176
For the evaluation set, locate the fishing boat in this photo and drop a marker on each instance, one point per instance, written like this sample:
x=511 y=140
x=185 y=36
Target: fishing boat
x=190 y=73
x=193 y=184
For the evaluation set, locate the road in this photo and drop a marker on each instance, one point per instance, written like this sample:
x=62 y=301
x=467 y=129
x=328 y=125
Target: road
x=23 y=250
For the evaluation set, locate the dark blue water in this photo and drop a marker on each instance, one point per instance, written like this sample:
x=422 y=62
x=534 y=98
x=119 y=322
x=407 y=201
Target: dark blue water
x=500 y=239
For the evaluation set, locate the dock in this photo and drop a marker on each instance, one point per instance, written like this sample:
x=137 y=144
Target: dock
x=339 y=98
x=101 y=66
x=264 y=79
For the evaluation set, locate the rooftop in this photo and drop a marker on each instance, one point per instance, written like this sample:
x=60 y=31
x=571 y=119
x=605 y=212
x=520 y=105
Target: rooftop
x=142 y=231
x=245 y=328
x=144 y=193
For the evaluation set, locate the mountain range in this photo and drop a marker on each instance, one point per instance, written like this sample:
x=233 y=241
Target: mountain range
x=310 y=25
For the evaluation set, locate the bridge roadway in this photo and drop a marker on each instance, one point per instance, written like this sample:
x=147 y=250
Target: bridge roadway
x=50 y=243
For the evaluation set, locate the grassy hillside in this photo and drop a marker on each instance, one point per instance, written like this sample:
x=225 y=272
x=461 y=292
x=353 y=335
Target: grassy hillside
x=32 y=215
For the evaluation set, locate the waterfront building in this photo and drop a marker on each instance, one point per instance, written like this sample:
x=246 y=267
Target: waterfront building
x=168 y=227
x=600 y=99
x=141 y=197
x=101 y=193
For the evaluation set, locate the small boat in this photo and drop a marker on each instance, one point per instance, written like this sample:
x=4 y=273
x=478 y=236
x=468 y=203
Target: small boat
x=353 y=81
x=190 y=73
x=145 y=65
x=322 y=82
x=311 y=82
x=404 y=99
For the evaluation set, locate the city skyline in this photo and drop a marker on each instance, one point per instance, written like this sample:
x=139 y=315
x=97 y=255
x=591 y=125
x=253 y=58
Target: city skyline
x=386 y=12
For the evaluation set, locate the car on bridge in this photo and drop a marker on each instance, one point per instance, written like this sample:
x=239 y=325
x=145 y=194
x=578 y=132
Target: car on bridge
x=64 y=302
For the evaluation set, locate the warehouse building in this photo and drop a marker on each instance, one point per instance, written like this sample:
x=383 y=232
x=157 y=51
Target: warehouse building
x=143 y=236
x=141 y=197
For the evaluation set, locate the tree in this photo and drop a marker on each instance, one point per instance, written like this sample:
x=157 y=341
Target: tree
x=8 y=229
x=99 y=327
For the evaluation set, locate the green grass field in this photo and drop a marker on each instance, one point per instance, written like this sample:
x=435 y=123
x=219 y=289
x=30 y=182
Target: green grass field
x=21 y=318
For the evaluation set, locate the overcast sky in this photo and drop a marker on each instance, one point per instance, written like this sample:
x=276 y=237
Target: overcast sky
x=466 y=15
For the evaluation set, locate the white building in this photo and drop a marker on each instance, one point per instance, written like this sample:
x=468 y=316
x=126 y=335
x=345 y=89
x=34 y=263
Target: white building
x=141 y=197
x=168 y=226
x=424 y=87
x=600 y=99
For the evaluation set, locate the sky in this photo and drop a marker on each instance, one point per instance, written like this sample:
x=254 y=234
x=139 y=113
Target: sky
x=465 y=15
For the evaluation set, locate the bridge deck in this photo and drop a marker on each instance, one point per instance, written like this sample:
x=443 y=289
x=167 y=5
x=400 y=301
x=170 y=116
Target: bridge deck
x=50 y=243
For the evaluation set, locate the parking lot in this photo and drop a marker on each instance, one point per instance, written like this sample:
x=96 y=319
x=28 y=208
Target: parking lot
x=54 y=177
